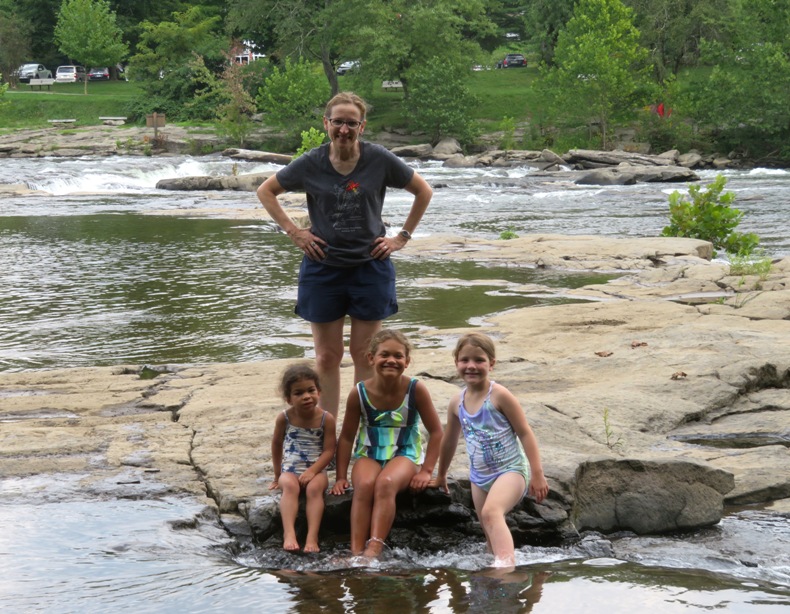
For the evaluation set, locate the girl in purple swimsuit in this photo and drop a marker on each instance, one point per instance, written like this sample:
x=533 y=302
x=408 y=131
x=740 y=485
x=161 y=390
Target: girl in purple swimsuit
x=503 y=451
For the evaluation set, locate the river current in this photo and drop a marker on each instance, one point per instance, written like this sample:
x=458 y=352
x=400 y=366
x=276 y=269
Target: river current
x=105 y=269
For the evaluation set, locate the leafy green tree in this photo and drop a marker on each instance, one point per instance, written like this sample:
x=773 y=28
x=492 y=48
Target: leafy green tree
x=543 y=22
x=86 y=32
x=317 y=30
x=167 y=45
x=14 y=43
x=440 y=102
x=293 y=98
x=178 y=63
x=744 y=103
x=42 y=16
x=672 y=30
x=399 y=36
x=600 y=74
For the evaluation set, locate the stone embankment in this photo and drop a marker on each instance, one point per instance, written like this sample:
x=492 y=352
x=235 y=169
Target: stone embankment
x=658 y=401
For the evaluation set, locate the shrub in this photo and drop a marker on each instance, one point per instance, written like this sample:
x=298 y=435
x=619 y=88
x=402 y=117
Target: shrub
x=707 y=215
x=293 y=98
x=310 y=140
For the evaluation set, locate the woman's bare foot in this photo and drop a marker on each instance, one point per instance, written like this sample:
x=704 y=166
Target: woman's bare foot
x=311 y=547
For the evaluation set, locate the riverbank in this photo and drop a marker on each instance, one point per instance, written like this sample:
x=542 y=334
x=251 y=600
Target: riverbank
x=677 y=394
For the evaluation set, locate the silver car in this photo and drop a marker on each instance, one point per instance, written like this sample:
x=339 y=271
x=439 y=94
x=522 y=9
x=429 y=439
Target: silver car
x=26 y=72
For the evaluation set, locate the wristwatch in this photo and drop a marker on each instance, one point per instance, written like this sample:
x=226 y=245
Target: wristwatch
x=405 y=234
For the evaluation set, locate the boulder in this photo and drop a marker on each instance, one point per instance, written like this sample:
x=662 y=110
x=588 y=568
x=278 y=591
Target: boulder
x=690 y=160
x=630 y=174
x=413 y=151
x=241 y=183
x=257 y=156
x=447 y=147
x=648 y=497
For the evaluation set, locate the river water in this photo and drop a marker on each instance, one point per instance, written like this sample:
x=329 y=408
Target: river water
x=105 y=269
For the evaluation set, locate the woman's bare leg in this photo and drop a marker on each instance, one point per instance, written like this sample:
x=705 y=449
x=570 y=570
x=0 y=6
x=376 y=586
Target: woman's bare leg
x=329 y=349
x=358 y=345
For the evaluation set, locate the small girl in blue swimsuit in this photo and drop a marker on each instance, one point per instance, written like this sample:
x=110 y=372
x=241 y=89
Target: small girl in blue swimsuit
x=384 y=413
x=503 y=451
x=303 y=445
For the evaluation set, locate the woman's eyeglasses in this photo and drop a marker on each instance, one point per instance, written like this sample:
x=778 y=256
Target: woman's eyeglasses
x=353 y=124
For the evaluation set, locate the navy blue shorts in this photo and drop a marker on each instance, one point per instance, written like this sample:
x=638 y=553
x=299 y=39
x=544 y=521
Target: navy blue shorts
x=328 y=293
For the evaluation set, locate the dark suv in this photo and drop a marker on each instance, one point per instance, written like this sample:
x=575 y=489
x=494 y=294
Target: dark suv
x=513 y=60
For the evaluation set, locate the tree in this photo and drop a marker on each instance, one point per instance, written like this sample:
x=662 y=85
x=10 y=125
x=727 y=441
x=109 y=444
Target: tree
x=600 y=72
x=87 y=33
x=397 y=37
x=317 y=30
x=167 y=64
x=744 y=102
x=543 y=22
x=672 y=30
x=440 y=102
x=14 y=44
x=294 y=97
x=42 y=16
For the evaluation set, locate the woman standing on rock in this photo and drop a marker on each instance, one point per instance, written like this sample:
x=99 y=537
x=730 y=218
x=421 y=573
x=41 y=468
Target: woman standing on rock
x=346 y=269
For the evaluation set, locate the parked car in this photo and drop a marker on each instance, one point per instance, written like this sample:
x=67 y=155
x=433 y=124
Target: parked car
x=513 y=60
x=99 y=74
x=26 y=72
x=70 y=74
x=346 y=67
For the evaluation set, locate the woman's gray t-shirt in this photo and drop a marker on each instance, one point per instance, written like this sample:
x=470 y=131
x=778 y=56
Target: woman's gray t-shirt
x=345 y=211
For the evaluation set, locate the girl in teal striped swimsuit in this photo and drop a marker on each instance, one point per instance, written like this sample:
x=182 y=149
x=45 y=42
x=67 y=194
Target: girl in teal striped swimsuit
x=384 y=412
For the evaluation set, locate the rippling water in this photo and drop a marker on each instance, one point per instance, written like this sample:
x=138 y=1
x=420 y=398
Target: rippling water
x=103 y=270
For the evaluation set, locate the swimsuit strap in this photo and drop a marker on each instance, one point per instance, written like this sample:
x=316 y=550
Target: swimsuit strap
x=287 y=421
x=488 y=396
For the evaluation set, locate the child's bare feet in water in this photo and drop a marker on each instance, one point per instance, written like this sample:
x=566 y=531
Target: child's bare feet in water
x=311 y=546
x=290 y=544
x=373 y=548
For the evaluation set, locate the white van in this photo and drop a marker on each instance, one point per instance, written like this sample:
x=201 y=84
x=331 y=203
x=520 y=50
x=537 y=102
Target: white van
x=70 y=74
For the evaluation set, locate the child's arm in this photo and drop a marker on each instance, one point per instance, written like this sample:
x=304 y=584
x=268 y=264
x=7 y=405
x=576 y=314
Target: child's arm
x=330 y=441
x=346 y=442
x=508 y=404
x=452 y=431
x=430 y=418
x=278 y=437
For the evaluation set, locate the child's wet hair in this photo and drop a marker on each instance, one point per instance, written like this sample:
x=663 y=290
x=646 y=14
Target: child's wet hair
x=296 y=373
x=478 y=340
x=385 y=335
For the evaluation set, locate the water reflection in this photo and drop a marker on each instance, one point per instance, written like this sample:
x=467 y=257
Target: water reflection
x=93 y=290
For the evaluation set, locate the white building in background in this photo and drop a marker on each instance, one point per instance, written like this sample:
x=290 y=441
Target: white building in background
x=248 y=53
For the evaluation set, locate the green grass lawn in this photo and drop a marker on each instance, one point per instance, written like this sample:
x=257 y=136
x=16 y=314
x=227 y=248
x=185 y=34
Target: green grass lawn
x=31 y=108
x=502 y=93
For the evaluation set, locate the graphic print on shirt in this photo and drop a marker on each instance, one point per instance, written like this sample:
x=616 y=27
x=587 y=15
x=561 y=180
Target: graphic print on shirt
x=347 y=214
x=491 y=448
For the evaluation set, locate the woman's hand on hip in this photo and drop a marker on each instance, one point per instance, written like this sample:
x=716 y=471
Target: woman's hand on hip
x=311 y=245
x=383 y=247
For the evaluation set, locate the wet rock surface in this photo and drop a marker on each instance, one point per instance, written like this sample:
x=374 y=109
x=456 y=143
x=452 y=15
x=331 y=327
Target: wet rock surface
x=629 y=378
